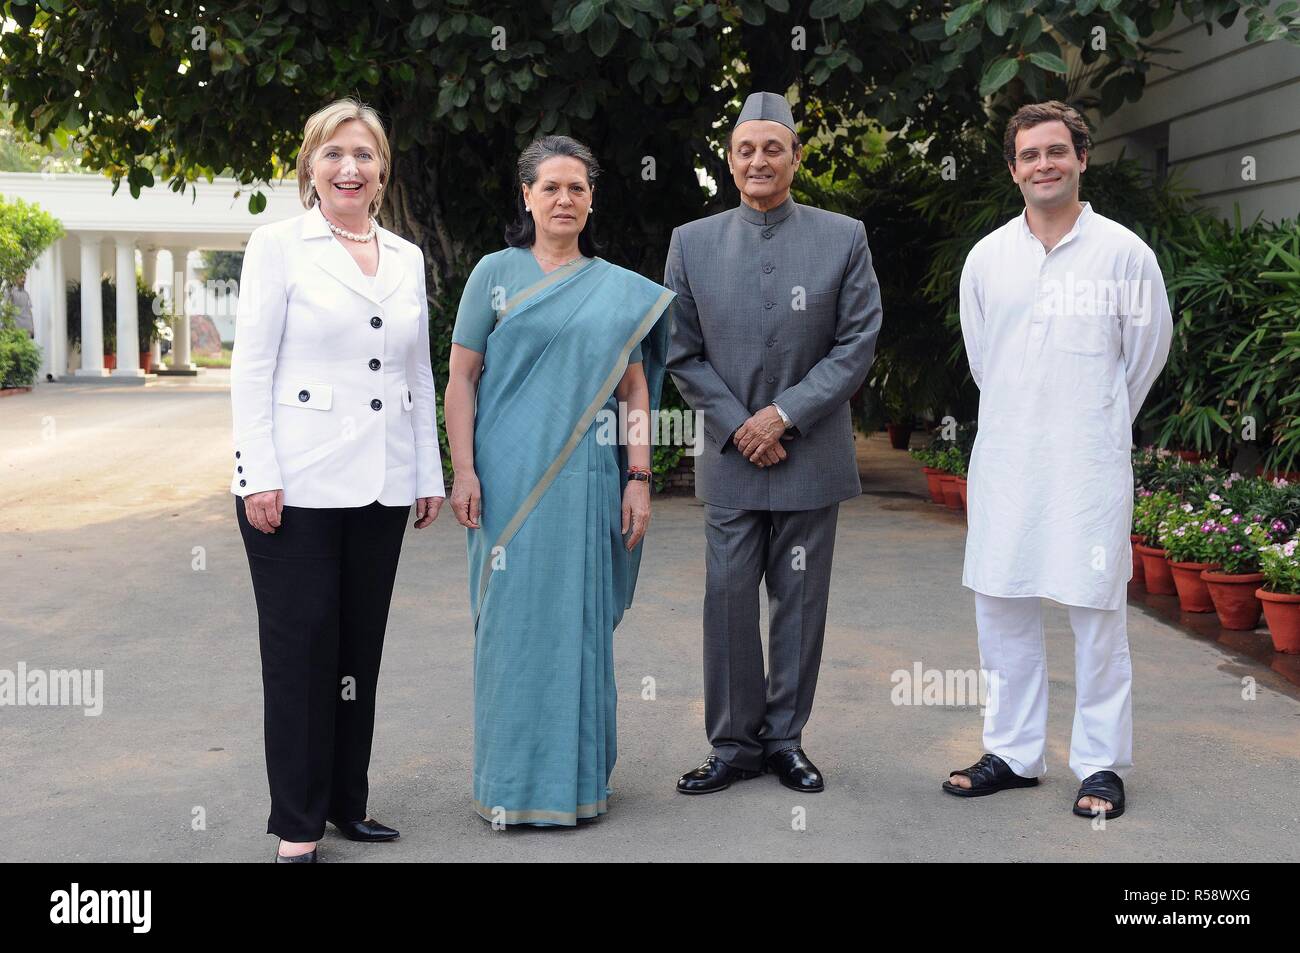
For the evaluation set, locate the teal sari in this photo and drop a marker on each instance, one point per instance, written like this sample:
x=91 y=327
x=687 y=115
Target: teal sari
x=549 y=573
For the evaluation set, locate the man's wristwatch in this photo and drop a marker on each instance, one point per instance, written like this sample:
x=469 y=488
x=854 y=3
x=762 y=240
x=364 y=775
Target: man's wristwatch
x=784 y=419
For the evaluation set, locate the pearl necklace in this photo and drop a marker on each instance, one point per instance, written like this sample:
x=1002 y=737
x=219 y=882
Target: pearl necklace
x=353 y=236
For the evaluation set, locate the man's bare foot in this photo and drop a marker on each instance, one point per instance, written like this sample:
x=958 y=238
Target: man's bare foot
x=289 y=848
x=959 y=780
x=1095 y=804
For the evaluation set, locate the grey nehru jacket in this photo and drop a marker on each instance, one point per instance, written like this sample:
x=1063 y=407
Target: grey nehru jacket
x=780 y=306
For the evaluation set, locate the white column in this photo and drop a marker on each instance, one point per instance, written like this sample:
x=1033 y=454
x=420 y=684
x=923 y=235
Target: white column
x=180 y=308
x=58 y=354
x=40 y=285
x=149 y=272
x=92 y=310
x=128 y=306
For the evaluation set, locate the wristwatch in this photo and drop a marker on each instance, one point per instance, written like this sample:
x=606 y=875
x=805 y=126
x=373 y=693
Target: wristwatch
x=784 y=419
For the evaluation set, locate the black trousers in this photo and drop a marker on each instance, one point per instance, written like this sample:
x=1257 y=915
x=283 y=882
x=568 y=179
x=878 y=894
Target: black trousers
x=323 y=583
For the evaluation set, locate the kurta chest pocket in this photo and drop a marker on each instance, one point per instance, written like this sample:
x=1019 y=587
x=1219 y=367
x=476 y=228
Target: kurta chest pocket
x=312 y=396
x=1083 y=317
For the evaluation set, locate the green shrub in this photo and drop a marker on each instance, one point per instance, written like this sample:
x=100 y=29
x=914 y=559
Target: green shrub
x=20 y=356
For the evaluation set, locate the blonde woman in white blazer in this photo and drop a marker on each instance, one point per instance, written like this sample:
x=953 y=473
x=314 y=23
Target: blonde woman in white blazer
x=335 y=438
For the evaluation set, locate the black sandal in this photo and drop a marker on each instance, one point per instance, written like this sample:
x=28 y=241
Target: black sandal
x=989 y=775
x=1106 y=785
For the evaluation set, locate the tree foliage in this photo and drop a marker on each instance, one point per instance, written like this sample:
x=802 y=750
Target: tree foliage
x=176 y=91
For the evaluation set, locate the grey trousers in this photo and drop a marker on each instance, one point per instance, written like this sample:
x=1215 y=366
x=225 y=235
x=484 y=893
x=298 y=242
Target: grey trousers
x=747 y=714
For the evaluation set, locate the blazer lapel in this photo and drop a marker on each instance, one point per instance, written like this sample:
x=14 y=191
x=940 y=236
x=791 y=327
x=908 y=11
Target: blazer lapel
x=333 y=258
x=391 y=271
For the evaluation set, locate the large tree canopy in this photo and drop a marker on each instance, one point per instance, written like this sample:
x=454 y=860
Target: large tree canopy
x=173 y=91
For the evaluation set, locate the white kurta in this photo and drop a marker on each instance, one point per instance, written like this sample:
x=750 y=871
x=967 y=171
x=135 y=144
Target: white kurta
x=1064 y=346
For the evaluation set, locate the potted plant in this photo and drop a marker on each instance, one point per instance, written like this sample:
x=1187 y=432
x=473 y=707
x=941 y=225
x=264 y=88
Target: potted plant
x=961 y=464
x=1256 y=514
x=1280 y=564
x=928 y=458
x=148 y=325
x=1185 y=535
x=1148 y=511
x=1147 y=465
x=950 y=460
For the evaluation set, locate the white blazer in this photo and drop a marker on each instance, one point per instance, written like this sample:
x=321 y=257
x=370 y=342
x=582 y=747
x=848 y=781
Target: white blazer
x=331 y=387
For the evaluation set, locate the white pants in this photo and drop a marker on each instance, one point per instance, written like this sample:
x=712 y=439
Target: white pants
x=1013 y=654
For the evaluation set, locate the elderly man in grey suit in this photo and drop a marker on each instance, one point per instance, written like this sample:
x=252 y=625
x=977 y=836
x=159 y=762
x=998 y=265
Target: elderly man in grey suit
x=774 y=329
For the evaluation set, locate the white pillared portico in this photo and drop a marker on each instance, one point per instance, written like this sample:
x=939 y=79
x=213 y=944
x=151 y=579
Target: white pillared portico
x=156 y=236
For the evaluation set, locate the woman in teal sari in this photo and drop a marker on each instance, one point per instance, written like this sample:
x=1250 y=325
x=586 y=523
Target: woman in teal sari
x=549 y=342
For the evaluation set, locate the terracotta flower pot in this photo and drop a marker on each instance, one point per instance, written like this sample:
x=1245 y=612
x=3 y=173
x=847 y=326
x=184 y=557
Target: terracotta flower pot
x=110 y=362
x=1193 y=596
x=146 y=361
x=899 y=434
x=1291 y=476
x=932 y=482
x=1282 y=612
x=1159 y=579
x=951 y=495
x=1139 y=567
x=961 y=490
x=1234 y=598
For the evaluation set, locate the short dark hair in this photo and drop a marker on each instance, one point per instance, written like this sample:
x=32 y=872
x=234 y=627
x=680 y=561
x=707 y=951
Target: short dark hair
x=1035 y=114
x=522 y=232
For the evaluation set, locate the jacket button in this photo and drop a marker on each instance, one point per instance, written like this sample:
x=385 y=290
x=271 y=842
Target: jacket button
x=243 y=483
x=771 y=380
x=239 y=469
x=236 y=454
x=767 y=268
x=376 y=404
x=771 y=341
x=374 y=363
x=304 y=396
x=376 y=322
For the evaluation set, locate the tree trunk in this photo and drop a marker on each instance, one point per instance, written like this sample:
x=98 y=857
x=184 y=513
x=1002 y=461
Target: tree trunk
x=412 y=209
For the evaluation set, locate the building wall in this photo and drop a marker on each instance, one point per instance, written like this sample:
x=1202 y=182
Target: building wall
x=1209 y=107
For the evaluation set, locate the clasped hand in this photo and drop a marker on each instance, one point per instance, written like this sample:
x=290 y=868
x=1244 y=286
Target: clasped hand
x=759 y=438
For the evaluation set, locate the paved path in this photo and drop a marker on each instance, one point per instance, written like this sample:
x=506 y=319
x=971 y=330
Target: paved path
x=105 y=493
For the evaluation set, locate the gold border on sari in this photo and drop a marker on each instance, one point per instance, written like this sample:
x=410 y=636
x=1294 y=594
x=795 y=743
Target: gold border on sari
x=540 y=286
x=533 y=816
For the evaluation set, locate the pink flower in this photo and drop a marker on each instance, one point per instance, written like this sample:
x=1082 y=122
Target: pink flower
x=1236 y=519
x=1236 y=548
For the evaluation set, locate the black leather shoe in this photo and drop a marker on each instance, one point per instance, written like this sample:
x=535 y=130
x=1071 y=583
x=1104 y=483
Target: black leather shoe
x=713 y=775
x=795 y=771
x=367 y=830
x=307 y=858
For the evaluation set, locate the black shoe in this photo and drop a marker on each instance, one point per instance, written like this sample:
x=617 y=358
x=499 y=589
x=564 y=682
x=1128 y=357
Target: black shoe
x=307 y=858
x=989 y=775
x=367 y=830
x=713 y=775
x=795 y=771
x=1106 y=785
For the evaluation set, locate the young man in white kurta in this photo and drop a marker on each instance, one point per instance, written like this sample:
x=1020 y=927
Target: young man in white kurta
x=1064 y=345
